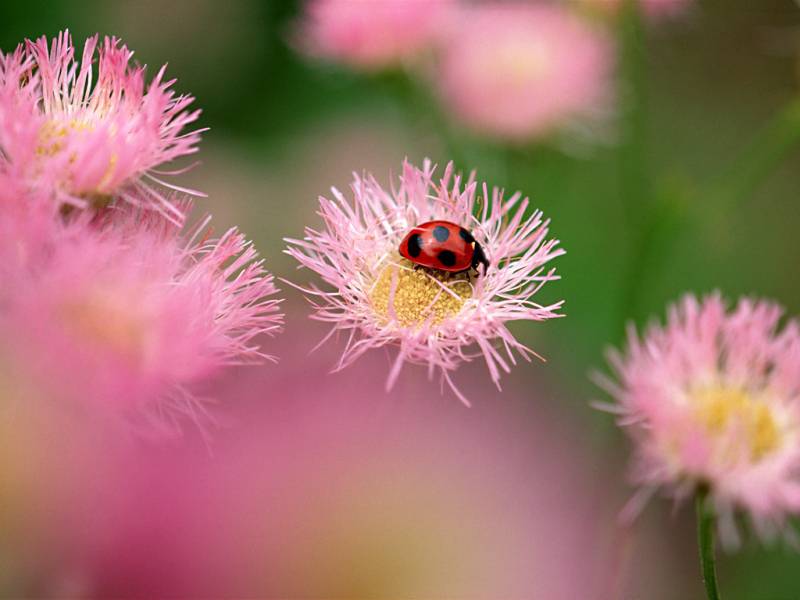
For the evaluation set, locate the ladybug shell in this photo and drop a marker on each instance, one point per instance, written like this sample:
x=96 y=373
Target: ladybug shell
x=439 y=245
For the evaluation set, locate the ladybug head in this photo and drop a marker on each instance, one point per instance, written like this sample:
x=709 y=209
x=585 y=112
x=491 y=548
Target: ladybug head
x=479 y=258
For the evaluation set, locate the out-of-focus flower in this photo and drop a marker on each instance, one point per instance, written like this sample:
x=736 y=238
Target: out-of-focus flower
x=84 y=137
x=371 y=35
x=511 y=503
x=713 y=399
x=520 y=72
x=652 y=9
x=303 y=489
x=436 y=319
x=125 y=315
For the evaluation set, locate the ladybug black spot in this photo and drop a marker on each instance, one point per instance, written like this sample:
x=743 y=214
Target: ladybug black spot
x=415 y=245
x=447 y=258
x=441 y=233
x=466 y=236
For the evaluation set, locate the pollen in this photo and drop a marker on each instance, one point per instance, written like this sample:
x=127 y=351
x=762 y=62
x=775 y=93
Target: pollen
x=722 y=409
x=53 y=133
x=412 y=297
x=53 y=139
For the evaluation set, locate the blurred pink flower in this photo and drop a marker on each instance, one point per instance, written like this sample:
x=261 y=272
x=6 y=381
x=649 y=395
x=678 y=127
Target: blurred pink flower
x=335 y=491
x=436 y=319
x=519 y=72
x=371 y=35
x=85 y=142
x=343 y=491
x=652 y=9
x=713 y=399
x=124 y=315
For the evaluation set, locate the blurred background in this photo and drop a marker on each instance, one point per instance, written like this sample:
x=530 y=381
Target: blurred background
x=314 y=485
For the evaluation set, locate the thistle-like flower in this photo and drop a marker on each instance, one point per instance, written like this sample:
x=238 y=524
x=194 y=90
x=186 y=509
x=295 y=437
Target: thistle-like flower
x=712 y=401
x=85 y=138
x=436 y=319
x=125 y=314
x=524 y=71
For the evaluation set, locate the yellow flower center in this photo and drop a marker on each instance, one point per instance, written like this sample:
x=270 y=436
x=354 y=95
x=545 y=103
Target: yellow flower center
x=52 y=140
x=53 y=132
x=517 y=64
x=721 y=408
x=412 y=297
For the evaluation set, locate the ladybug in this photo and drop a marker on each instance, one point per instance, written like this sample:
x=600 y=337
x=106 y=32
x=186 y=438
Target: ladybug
x=444 y=246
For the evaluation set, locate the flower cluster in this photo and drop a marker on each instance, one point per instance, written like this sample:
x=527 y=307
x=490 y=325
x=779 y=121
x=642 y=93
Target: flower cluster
x=107 y=299
x=434 y=318
x=512 y=71
x=712 y=400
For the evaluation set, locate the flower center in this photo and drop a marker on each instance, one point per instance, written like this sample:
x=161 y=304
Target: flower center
x=413 y=297
x=53 y=133
x=722 y=410
x=54 y=138
x=520 y=64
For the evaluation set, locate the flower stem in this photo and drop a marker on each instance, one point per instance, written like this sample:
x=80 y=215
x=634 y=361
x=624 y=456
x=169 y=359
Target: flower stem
x=633 y=151
x=706 y=523
x=635 y=189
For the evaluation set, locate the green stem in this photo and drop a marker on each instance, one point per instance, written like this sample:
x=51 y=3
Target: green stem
x=640 y=253
x=706 y=523
x=634 y=172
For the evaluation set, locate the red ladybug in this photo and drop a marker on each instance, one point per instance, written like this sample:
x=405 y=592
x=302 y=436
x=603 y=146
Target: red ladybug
x=444 y=246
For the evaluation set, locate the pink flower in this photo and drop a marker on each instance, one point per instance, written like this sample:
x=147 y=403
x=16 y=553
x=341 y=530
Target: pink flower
x=124 y=314
x=371 y=35
x=84 y=137
x=434 y=319
x=652 y=9
x=520 y=72
x=713 y=399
